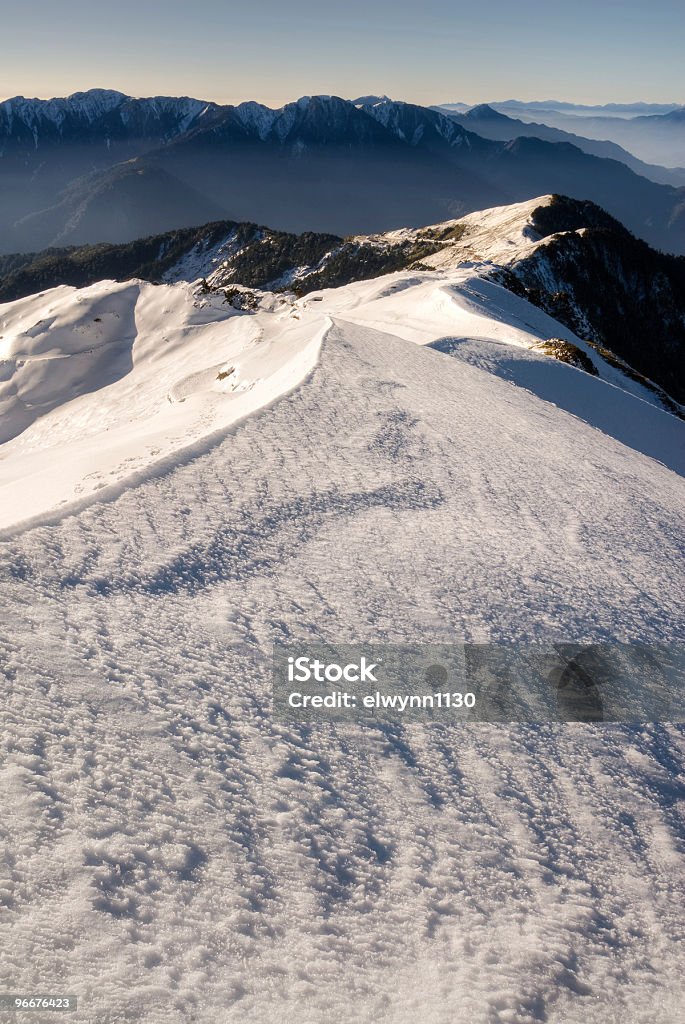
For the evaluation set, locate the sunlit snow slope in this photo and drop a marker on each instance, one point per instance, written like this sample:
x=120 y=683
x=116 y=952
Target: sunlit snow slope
x=172 y=854
x=100 y=384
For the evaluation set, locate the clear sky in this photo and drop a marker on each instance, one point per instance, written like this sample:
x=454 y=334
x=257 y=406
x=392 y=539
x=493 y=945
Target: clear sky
x=426 y=51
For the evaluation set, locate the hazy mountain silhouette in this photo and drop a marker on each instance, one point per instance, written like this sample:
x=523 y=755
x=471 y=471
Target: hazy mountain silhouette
x=492 y=124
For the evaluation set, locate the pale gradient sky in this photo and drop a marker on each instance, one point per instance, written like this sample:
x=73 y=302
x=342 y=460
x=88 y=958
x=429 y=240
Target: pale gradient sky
x=428 y=51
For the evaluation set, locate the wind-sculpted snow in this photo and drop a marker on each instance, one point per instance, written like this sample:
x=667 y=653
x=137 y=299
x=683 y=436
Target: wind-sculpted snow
x=99 y=383
x=102 y=386
x=173 y=854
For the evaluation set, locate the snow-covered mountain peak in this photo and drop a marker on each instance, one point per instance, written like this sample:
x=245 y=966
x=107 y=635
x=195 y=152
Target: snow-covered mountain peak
x=87 y=106
x=256 y=117
x=370 y=101
x=499 y=235
x=317 y=113
x=410 y=122
x=96 y=113
x=326 y=116
x=94 y=102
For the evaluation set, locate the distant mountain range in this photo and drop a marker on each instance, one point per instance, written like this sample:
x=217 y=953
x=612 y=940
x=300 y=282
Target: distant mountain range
x=578 y=264
x=588 y=109
x=651 y=132
x=492 y=124
x=102 y=166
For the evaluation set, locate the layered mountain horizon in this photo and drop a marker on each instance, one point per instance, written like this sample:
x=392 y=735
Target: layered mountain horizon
x=492 y=123
x=101 y=166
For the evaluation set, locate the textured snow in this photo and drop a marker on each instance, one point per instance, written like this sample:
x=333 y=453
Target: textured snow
x=174 y=853
x=171 y=853
x=97 y=384
x=100 y=383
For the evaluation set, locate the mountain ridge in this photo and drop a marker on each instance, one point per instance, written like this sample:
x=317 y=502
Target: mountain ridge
x=321 y=163
x=629 y=307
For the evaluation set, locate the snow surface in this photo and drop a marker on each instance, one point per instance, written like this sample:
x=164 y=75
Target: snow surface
x=171 y=853
x=98 y=384
x=501 y=234
x=102 y=382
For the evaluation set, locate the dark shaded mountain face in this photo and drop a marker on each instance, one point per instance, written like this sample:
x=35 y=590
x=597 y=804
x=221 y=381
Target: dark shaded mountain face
x=610 y=288
x=525 y=163
x=323 y=164
x=492 y=124
x=588 y=272
x=249 y=254
x=121 y=203
x=70 y=170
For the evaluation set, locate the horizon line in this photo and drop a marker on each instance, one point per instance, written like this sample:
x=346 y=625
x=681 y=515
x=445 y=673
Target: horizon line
x=313 y=95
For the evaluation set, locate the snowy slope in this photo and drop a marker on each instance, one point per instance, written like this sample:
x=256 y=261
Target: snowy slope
x=567 y=257
x=171 y=853
x=99 y=384
x=500 y=234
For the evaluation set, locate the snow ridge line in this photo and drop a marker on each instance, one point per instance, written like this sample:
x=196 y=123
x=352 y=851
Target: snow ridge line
x=161 y=467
